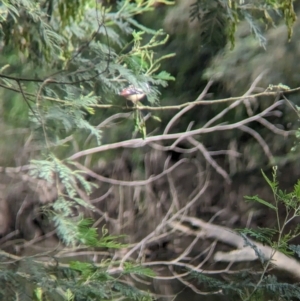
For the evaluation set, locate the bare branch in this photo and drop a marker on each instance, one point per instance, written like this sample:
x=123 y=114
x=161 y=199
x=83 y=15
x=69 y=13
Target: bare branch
x=135 y=143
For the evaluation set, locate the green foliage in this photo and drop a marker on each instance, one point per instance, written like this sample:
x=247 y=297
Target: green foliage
x=131 y=292
x=241 y=286
x=258 y=14
x=38 y=40
x=68 y=61
x=76 y=281
x=256 y=285
x=213 y=18
x=259 y=200
x=87 y=55
x=130 y=268
x=279 y=237
x=83 y=48
x=263 y=235
x=291 y=203
x=235 y=289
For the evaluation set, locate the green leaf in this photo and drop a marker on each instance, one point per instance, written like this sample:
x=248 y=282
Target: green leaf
x=297 y=189
x=130 y=268
x=273 y=184
x=164 y=75
x=264 y=235
x=86 y=269
x=261 y=201
x=38 y=294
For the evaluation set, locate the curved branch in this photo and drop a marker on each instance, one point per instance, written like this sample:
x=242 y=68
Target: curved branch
x=230 y=237
x=135 y=143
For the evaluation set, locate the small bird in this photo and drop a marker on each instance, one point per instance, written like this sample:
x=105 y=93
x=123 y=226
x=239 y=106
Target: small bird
x=133 y=94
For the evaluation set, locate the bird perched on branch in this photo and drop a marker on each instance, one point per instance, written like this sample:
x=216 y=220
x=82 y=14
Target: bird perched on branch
x=133 y=94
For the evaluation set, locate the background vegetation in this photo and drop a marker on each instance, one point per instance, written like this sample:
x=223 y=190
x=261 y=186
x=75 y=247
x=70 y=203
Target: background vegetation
x=105 y=199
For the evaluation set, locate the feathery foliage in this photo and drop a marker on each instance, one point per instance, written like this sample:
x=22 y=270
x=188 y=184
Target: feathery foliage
x=66 y=60
x=228 y=13
x=253 y=285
